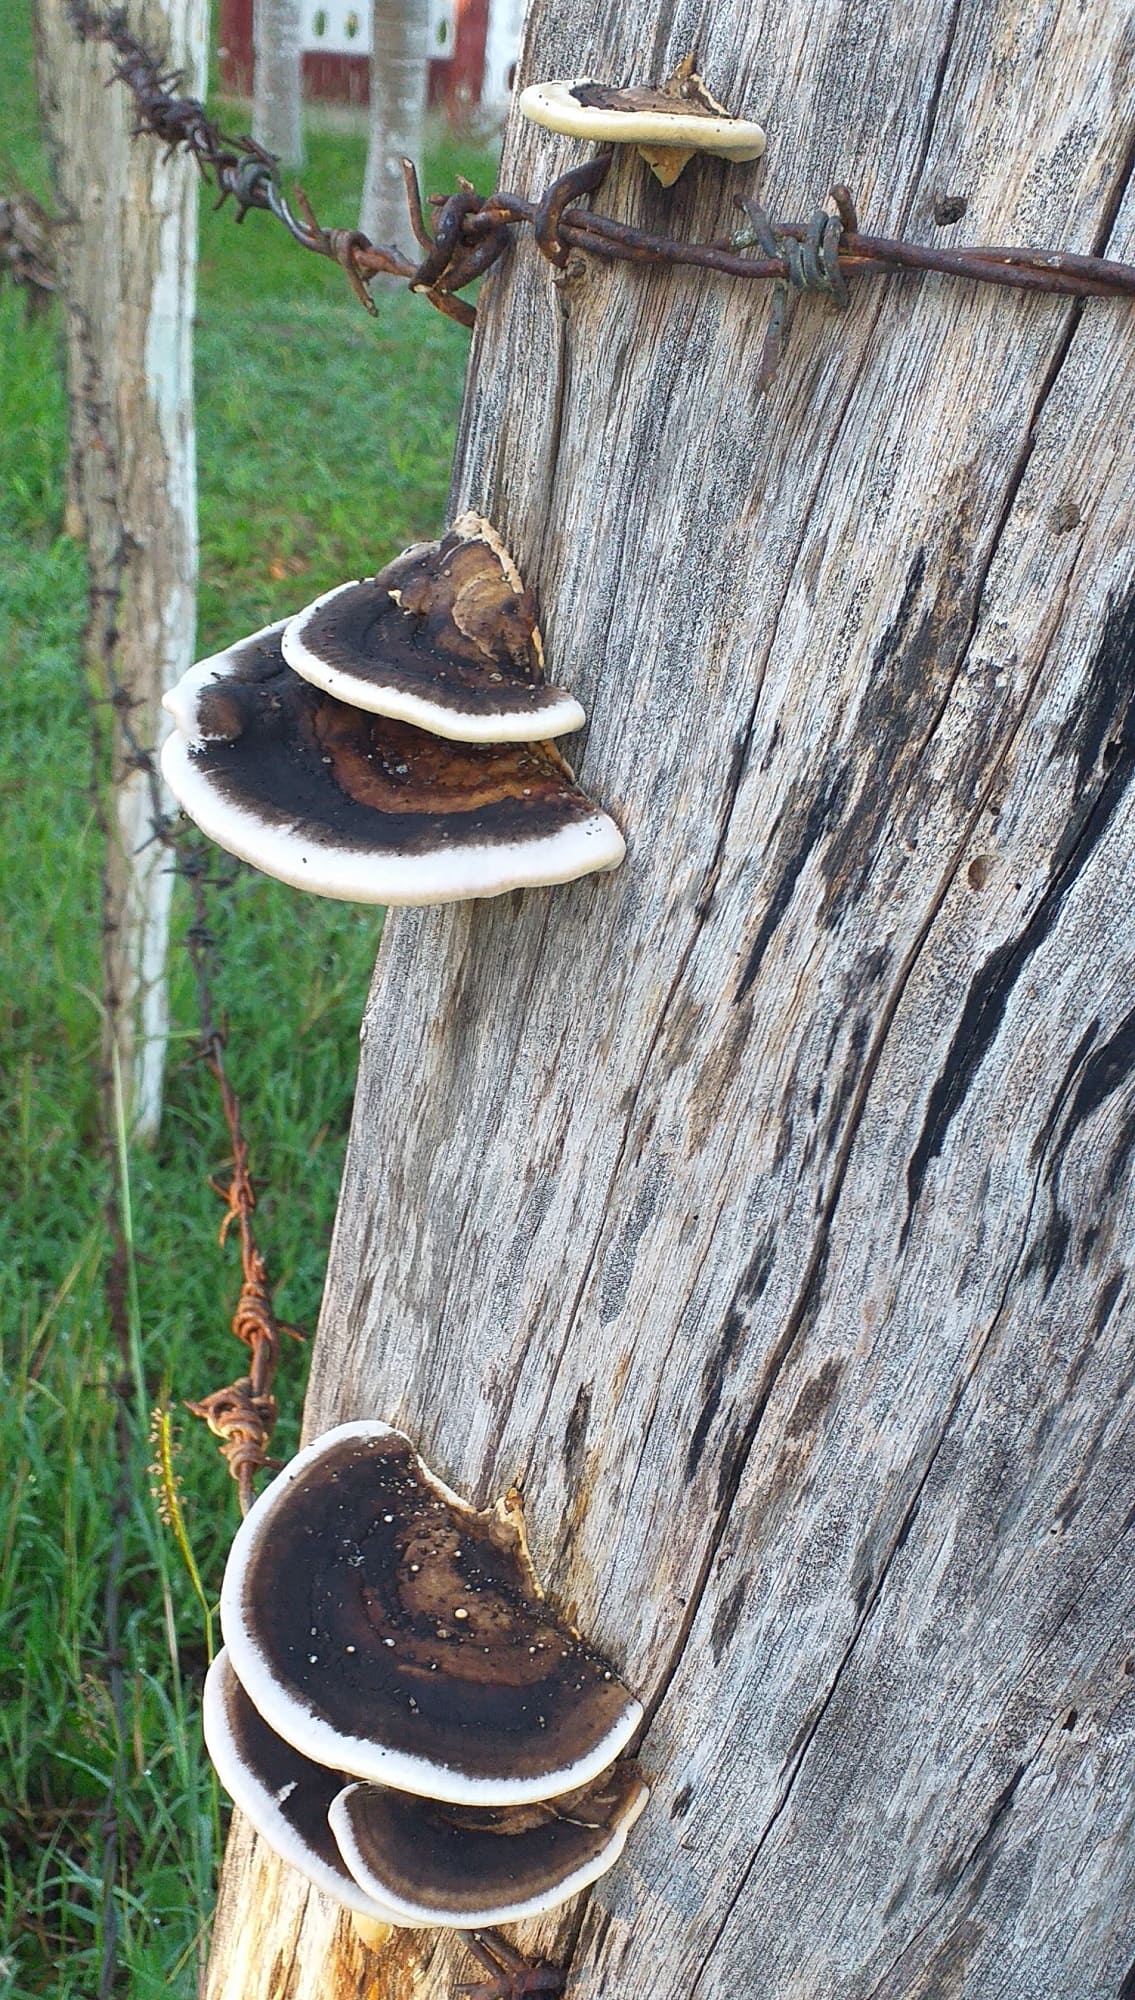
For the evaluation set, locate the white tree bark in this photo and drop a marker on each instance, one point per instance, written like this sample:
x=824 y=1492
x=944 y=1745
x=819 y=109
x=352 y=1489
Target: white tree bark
x=277 y=99
x=399 y=52
x=128 y=258
x=765 y=1208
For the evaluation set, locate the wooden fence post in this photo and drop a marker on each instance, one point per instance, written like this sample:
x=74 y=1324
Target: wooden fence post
x=127 y=248
x=765 y=1208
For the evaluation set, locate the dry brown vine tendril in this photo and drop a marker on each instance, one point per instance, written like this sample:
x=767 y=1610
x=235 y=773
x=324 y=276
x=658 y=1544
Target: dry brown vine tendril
x=243 y=1414
x=470 y=231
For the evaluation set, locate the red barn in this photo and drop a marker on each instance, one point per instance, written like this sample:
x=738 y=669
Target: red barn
x=473 y=51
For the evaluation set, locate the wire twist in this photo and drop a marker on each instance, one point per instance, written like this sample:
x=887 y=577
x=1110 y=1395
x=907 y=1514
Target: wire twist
x=244 y=1422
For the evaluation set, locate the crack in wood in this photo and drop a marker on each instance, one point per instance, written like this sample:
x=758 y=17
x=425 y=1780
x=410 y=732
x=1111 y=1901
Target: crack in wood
x=873 y=1596
x=831 y=1205
x=992 y=988
x=961 y=1881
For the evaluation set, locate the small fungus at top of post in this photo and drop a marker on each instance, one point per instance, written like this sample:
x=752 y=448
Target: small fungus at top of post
x=668 y=123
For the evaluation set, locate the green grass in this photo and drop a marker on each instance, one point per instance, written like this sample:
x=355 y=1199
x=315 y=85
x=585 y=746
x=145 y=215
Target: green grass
x=324 y=441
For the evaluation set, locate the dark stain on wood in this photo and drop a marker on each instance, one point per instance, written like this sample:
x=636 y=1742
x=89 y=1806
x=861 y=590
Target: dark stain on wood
x=863 y=1582
x=813 y=1399
x=895 y=634
x=904 y=1532
x=1110 y=1066
x=730 y=789
x=802 y=835
x=801 y=1737
x=714 y=1371
x=1090 y=1445
x=1043 y=1139
x=912 y=669
x=620 y=1260
x=1108 y=717
x=733 y=1455
x=575 y=1436
x=1105 y=1306
x=1103 y=1073
x=1102 y=717
x=758 y=1270
x=848 y=1078
x=680 y=1804
x=681 y=1034
x=716 y=1075
x=725 y=1619
x=947 y=1972
x=599 y=1929
x=955 y=1866
x=979 y=1853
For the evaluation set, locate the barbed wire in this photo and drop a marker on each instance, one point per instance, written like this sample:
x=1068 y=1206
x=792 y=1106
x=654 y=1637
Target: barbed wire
x=243 y=1413
x=26 y=251
x=470 y=232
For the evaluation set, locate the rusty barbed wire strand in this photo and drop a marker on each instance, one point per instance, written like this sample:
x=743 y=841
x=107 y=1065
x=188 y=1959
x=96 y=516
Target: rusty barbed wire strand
x=27 y=254
x=471 y=232
x=243 y=1413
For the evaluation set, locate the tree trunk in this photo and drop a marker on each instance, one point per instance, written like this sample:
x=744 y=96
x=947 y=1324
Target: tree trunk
x=128 y=256
x=764 y=1208
x=398 y=56
x=277 y=106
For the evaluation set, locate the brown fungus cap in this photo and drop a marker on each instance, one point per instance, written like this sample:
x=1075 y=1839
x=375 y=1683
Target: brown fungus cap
x=668 y=123
x=356 y=806
x=284 y=1795
x=445 y=637
x=385 y=1627
x=470 y=1866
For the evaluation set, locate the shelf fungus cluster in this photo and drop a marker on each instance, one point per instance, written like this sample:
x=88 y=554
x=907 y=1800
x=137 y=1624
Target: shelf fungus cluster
x=392 y=743
x=668 y=123
x=397 y=1710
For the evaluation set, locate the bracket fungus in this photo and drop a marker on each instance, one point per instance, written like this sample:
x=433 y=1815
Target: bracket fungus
x=284 y=1795
x=468 y=1867
x=668 y=123
x=376 y=1622
x=353 y=805
x=384 y=1627
x=396 y=1860
x=445 y=637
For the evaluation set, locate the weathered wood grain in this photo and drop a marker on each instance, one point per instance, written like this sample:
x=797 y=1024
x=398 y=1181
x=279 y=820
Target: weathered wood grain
x=765 y=1207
